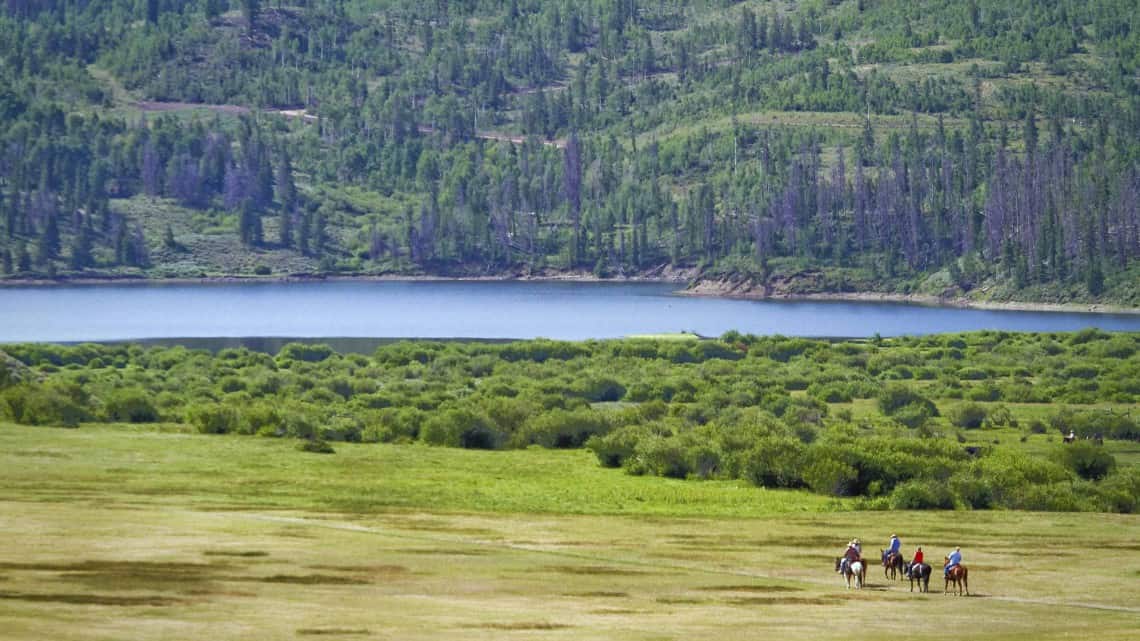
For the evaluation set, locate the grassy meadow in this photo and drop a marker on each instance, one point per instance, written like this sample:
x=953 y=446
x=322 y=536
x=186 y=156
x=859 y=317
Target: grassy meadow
x=121 y=532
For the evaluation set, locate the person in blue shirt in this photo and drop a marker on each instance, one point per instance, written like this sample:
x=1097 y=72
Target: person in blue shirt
x=953 y=560
x=895 y=547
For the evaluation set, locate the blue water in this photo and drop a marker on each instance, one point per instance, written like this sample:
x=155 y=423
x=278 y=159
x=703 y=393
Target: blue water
x=467 y=309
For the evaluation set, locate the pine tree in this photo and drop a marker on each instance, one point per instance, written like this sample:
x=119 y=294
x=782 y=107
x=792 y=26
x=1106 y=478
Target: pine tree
x=168 y=239
x=214 y=8
x=81 y=250
x=286 y=188
x=285 y=229
x=250 y=9
x=249 y=224
x=23 y=259
x=48 y=246
x=572 y=183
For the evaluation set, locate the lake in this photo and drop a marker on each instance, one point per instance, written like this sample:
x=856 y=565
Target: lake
x=471 y=309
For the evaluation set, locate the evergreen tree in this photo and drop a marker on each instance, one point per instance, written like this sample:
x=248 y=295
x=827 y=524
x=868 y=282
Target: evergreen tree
x=249 y=223
x=250 y=9
x=49 y=243
x=23 y=259
x=81 y=250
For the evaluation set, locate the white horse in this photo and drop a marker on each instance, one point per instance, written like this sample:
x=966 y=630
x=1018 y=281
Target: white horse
x=856 y=570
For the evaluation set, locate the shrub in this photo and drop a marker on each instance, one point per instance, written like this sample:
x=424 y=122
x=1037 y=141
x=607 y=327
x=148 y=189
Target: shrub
x=615 y=448
x=130 y=406
x=309 y=353
x=1088 y=460
x=922 y=495
x=973 y=374
x=48 y=404
x=461 y=428
x=969 y=416
x=562 y=429
x=315 y=446
x=1120 y=491
x=913 y=416
x=599 y=389
x=775 y=461
x=830 y=476
x=660 y=456
x=896 y=397
x=214 y=418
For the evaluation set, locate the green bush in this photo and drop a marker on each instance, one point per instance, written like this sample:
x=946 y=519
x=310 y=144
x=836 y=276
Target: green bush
x=660 y=456
x=775 y=461
x=47 y=404
x=562 y=429
x=831 y=476
x=616 y=448
x=599 y=389
x=461 y=428
x=309 y=353
x=1088 y=460
x=968 y=416
x=214 y=418
x=315 y=446
x=922 y=495
x=130 y=406
x=896 y=397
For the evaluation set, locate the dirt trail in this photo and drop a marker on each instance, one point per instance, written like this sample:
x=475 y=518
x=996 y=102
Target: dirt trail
x=499 y=136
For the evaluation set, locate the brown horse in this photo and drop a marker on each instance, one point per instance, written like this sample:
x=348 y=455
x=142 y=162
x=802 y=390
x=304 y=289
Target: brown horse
x=892 y=563
x=958 y=575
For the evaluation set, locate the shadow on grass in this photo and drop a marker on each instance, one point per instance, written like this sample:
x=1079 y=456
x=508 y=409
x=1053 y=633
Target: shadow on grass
x=90 y=599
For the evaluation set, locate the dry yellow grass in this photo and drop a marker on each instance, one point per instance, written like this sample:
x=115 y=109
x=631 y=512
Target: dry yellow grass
x=113 y=562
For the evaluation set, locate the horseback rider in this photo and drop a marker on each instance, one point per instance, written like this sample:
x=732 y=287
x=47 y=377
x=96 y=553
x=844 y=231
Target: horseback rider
x=917 y=561
x=894 y=548
x=952 y=561
x=850 y=555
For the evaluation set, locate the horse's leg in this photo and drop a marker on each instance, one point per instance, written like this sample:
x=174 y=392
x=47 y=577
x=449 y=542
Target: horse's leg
x=965 y=581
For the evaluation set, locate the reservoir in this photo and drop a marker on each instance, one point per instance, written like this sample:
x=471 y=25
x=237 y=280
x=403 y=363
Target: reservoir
x=472 y=309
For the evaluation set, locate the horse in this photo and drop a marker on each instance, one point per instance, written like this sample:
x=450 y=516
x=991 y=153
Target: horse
x=893 y=563
x=919 y=572
x=958 y=575
x=855 y=569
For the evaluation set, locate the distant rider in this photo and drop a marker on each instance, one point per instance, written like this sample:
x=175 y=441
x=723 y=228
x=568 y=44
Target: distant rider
x=895 y=548
x=953 y=561
x=917 y=558
x=850 y=555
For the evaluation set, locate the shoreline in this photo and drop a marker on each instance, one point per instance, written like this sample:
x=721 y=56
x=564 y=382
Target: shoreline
x=925 y=300
x=702 y=289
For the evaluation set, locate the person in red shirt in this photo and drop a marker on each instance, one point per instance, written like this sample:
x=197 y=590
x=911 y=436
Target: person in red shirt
x=917 y=558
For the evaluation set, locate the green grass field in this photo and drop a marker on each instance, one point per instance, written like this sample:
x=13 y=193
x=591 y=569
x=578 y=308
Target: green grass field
x=121 y=533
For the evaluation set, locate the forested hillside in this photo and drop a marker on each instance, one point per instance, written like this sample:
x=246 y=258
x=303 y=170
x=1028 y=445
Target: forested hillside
x=986 y=148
